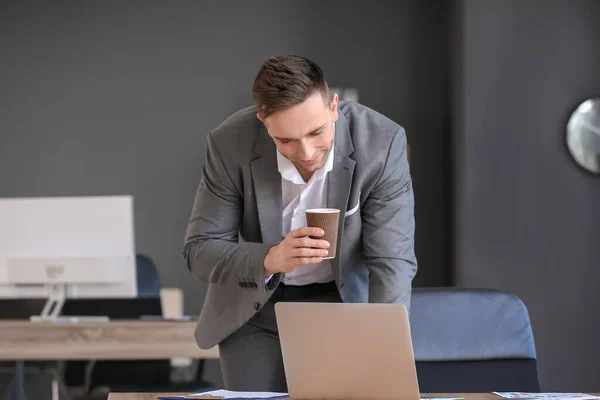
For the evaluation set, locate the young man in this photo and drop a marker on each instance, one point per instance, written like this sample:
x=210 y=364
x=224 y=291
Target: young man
x=297 y=148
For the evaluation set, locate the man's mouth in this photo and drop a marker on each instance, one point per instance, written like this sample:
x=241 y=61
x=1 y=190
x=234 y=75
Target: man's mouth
x=312 y=161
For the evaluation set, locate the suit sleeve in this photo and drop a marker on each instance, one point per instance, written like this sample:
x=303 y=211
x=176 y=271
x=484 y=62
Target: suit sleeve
x=388 y=229
x=211 y=251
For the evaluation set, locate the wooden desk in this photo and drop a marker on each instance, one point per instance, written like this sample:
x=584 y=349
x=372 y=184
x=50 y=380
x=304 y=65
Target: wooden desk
x=115 y=340
x=467 y=396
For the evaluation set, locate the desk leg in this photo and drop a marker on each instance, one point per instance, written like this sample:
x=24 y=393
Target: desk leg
x=18 y=382
x=58 y=384
x=55 y=395
x=20 y=379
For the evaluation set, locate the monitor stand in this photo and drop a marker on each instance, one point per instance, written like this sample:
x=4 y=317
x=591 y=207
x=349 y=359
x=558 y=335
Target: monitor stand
x=53 y=307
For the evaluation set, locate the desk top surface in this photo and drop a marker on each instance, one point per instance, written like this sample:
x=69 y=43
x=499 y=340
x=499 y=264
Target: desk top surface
x=113 y=340
x=467 y=396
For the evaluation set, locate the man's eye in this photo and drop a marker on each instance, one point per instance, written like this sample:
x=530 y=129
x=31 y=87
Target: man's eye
x=284 y=141
x=316 y=133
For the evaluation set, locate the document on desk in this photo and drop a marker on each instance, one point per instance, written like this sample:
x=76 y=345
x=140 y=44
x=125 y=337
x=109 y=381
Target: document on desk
x=442 y=398
x=229 y=394
x=549 y=396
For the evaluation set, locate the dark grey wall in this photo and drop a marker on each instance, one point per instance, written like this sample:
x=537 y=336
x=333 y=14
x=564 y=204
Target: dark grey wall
x=528 y=216
x=117 y=97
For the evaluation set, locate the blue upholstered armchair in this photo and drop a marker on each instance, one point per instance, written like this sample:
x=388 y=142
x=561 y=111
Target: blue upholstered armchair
x=468 y=340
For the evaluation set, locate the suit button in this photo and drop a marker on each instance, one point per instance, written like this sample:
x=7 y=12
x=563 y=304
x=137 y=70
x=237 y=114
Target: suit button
x=342 y=285
x=256 y=306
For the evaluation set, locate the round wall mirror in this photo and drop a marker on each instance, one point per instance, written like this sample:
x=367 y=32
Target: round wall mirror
x=583 y=135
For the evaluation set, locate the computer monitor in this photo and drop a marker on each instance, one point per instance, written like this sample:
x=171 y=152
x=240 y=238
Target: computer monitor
x=67 y=247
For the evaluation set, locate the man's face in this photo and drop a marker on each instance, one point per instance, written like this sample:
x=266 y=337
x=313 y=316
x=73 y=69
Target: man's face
x=304 y=133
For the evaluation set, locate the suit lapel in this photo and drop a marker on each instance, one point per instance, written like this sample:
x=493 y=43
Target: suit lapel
x=267 y=188
x=339 y=180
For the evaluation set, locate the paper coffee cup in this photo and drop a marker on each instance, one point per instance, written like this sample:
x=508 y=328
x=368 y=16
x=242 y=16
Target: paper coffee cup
x=326 y=219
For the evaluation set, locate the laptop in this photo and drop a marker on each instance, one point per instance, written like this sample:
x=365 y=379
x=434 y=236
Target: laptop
x=348 y=351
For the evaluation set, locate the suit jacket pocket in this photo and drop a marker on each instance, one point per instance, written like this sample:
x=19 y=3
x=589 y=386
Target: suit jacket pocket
x=355 y=208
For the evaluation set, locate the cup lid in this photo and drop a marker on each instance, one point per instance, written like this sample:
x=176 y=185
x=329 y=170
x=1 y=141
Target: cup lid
x=323 y=210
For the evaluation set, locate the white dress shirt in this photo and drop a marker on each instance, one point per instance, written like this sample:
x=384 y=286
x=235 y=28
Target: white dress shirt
x=297 y=196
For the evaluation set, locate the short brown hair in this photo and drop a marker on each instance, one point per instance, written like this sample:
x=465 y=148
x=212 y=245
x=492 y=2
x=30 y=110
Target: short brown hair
x=286 y=80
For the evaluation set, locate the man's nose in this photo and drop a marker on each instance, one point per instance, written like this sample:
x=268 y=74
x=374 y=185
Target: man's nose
x=305 y=151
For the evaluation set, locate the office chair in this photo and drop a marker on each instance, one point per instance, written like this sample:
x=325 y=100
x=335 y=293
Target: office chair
x=148 y=282
x=472 y=340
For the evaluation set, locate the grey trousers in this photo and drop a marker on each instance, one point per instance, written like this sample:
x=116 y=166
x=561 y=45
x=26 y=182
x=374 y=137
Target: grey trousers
x=251 y=357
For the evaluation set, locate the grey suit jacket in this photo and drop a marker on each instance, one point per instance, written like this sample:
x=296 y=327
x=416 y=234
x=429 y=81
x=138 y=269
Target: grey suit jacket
x=236 y=217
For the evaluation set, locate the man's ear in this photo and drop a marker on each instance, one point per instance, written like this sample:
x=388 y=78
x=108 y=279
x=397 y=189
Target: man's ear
x=263 y=120
x=334 y=106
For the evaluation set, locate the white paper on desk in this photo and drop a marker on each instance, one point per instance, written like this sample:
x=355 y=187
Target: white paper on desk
x=578 y=396
x=442 y=398
x=230 y=394
x=553 y=396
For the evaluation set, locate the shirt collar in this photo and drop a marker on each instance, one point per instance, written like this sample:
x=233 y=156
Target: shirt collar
x=289 y=172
